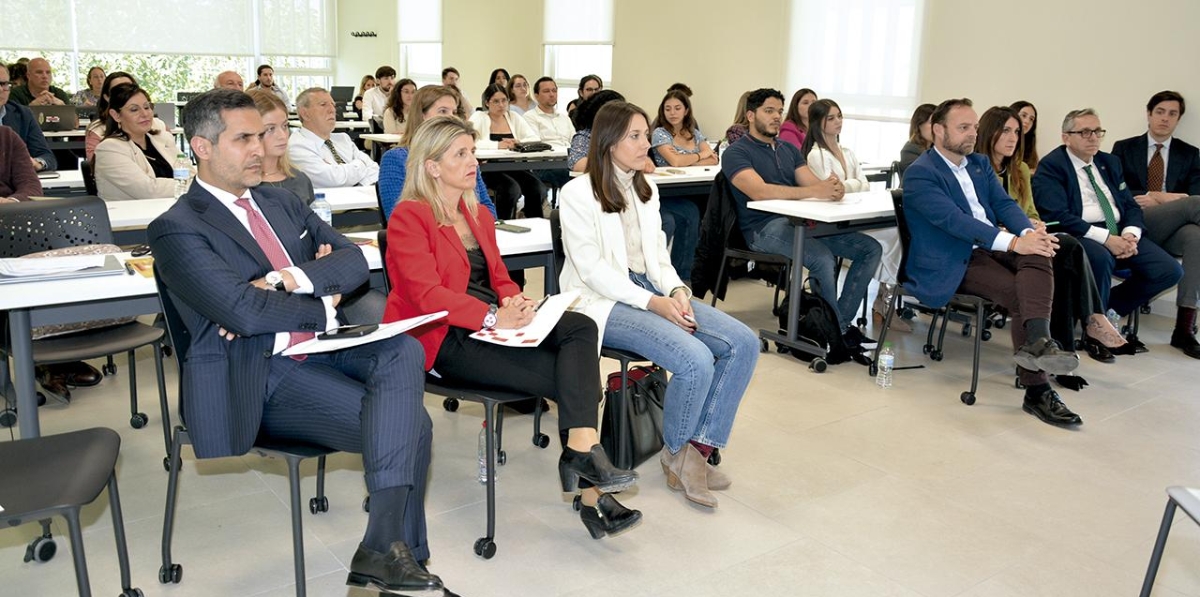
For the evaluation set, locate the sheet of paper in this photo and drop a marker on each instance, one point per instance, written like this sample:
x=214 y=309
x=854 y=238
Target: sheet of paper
x=532 y=335
x=386 y=330
x=20 y=267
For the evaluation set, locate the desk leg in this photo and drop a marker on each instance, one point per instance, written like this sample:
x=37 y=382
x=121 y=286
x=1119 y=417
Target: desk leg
x=551 y=283
x=22 y=351
x=790 y=336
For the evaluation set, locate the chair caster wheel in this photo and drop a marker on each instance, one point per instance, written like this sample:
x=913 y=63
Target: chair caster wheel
x=764 y=346
x=167 y=351
x=138 y=420
x=936 y=355
x=41 y=549
x=1144 y=309
x=109 y=369
x=577 y=503
x=861 y=321
x=450 y=404
x=41 y=399
x=485 y=547
x=135 y=592
x=366 y=504
x=818 y=365
x=8 y=417
x=967 y=398
x=541 y=440
x=171 y=574
x=781 y=349
x=927 y=349
x=715 y=458
x=873 y=370
x=1017 y=383
x=318 y=505
x=501 y=457
x=167 y=463
x=986 y=335
x=1000 y=323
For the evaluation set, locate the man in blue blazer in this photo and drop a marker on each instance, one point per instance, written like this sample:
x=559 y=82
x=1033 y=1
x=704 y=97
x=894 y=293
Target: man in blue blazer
x=253 y=272
x=954 y=207
x=1163 y=174
x=1083 y=189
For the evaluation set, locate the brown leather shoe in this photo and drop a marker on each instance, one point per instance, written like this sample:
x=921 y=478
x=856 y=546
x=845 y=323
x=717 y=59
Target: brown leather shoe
x=687 y=472
x=79 y=374
x=54 y=384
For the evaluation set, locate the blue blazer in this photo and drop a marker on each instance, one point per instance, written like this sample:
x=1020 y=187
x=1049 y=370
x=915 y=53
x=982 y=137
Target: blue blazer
x=1183 y=165
x=941 y=225
x=207 y=259
x=21 y=119
x=1056 y=192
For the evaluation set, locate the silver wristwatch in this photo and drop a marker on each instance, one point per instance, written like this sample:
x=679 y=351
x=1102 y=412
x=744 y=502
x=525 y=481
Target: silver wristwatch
x=489 y=320
x=275 y=280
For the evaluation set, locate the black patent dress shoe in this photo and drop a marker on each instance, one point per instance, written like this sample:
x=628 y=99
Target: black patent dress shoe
x=608 y=517
x=1048 y=407
x=594 y=467
x=1071 y=382
x=79 y=374
x=1098 y=351
x=1044 y=354
x=396 y=571
x=1187 y=343
x=1138 y=346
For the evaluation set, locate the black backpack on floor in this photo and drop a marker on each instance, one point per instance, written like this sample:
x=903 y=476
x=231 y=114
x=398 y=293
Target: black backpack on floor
x=818 y=325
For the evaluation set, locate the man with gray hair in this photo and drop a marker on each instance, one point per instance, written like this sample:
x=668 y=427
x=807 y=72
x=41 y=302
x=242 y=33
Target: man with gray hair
x=1083 y=191
x=229 y=80
x=330 y=159
x=252 y=272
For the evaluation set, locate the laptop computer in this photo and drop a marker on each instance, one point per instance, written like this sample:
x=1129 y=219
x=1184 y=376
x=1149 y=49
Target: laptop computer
x=186 y=96
x=85 y=112
x=166 y=113
x=55 y=118
x=342 y=95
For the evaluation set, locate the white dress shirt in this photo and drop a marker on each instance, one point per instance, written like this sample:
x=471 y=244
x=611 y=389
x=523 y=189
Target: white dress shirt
x=1092 y=212
x=554 y=128
x=1004 y=237
x=1166 y=151
x=374 y=103
x=303 y=284
x=309 y=153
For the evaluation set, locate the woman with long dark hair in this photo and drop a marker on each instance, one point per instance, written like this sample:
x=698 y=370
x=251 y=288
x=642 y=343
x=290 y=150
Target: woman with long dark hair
x=136 y=158
x=519 y=99
x=617 y=259
x=795 y=125
x=398 y=102
x=920 y=136
x=1028 y=115
x=500 y=128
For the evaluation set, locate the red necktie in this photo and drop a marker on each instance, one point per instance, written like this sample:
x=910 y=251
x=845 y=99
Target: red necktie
x=1154 y=172
x=273 y=250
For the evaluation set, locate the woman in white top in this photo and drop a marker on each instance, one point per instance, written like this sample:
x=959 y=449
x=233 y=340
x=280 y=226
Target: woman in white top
x=136 y=158
x=518 y=95
x=616 y=257
x=397 y=106
x=828 y=158
x=500 y=128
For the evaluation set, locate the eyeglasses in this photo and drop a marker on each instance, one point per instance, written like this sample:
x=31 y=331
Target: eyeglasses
x=5 y=84
x=1089 y=133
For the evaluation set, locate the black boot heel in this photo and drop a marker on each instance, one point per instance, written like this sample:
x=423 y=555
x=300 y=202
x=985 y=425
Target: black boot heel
x=594 y=467
x=608 y=517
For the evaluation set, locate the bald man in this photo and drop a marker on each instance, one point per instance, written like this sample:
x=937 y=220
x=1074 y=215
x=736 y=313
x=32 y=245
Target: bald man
x=38 y=91
x=229 y=80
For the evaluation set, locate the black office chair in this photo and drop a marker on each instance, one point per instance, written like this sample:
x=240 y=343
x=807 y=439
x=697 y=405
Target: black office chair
x=735 y=247
x=493 y=416
x=292 y=452
x=58 y=475
x=34 y=226
x=89 y=177
x=976 y=305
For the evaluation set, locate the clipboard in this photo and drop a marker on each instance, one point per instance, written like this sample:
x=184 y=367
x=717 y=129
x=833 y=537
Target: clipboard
x=112 y=266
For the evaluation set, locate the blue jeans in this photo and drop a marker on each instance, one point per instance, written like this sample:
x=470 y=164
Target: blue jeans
x=681 y=225
x=710 y=368
x=863 y=252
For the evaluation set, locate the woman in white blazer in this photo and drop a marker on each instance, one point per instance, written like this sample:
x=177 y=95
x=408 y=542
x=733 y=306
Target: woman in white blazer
x=617 y=259
x=826 y=158
x=136 y=158
x=500 y=128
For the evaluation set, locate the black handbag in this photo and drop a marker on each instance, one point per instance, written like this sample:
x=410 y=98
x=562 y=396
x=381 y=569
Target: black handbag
x=531 y=147
x=633 y=429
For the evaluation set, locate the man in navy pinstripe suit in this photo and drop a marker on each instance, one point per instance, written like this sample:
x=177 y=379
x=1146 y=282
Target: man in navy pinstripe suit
x=255 y=271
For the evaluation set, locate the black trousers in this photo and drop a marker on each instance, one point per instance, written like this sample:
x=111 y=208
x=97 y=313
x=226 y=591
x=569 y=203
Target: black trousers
x=509 y=186
x=564 y=368
x=1075 y=294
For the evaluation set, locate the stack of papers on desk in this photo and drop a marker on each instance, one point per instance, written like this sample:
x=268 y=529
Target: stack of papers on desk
x=26 y=268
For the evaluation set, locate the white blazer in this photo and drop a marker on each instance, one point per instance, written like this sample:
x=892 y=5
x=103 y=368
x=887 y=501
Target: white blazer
x=822 y=163
x=596 y=264
x=521 y=130
x=123 y=173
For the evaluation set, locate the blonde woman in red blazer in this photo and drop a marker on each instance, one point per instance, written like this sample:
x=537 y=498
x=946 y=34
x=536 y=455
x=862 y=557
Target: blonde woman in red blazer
x=442 y=254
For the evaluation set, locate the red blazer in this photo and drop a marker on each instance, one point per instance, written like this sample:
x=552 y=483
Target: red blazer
x=428 y=268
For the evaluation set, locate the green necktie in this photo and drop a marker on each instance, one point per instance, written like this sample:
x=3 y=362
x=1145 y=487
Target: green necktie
x=1110 y=219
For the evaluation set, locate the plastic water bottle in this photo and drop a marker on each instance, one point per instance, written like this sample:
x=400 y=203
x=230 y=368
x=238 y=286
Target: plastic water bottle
x=1113 y=318
x=483 y=460
x=321 y=207
x=182 y=174
x=886 y=361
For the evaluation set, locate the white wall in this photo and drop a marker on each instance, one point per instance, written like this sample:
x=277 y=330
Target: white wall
x=358 y=56
x=1064 y=54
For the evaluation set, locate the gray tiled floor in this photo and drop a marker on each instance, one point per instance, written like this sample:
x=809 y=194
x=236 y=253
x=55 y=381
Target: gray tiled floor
x=840 y=489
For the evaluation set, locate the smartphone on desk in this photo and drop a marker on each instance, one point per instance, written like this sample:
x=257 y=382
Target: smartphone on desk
x=511 y=227
x=347 y=331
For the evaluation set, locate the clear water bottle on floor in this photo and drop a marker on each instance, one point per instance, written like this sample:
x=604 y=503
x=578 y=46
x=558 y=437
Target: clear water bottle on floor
x=1113 y=318
x=321 y=207
x=182 y=173
x=483 y=460
x=886 y=362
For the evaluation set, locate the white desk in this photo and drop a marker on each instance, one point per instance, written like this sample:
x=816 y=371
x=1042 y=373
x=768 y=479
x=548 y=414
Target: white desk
x=33 y=304
x=379 y=142
x=857 y=211
x=66 y=180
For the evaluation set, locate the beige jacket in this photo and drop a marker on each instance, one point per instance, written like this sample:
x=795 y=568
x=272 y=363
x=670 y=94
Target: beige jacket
x=122 y=172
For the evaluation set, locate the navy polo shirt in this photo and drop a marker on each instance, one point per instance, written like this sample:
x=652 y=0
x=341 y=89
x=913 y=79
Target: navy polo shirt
x=775 y=163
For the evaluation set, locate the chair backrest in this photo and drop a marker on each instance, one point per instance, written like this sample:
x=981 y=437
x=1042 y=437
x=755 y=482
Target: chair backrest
x=177 y=333
x=556 y=242
x=905 y=234
x=32 y=226
x=893 y=180
x=87 y=171
x=383 y=215
x=722 y=190
x=381 y=238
